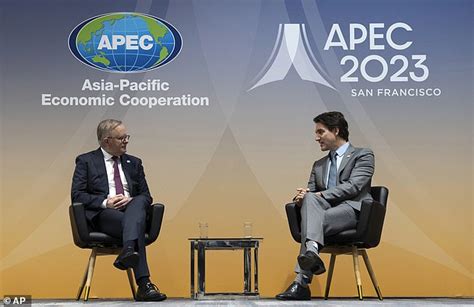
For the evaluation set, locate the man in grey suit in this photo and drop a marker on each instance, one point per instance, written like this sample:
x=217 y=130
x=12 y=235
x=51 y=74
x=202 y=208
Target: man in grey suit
x=338 y=183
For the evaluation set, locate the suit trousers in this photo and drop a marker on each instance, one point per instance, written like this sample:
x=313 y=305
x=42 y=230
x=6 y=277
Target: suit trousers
x=320 y=219
x=128 y=225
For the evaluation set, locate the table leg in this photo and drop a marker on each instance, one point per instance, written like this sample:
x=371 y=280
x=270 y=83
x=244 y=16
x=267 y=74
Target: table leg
x=201 y=268
x=247 y=269
x=192 y=269
x=255 y=254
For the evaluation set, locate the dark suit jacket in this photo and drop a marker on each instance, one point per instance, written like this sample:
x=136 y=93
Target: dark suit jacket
x=354 y=178
x=90 y=184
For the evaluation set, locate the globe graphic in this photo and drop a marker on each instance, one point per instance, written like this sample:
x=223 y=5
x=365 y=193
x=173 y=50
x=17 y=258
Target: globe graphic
x=120 y=58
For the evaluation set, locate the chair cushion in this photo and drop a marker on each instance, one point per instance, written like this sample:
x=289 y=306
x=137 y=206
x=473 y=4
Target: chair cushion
x=104 y=240
x=346 y=236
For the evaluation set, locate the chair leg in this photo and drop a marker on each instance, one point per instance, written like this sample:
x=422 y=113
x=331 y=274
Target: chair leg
x=371 y=274
x=90 y=272
x=132 y=284
x=83 y=282
x=355 y=258
x=329 y=279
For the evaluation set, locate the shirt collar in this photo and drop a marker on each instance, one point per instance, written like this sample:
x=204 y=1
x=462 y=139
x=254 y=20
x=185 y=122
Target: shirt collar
x=107 y=156
x=342 y=149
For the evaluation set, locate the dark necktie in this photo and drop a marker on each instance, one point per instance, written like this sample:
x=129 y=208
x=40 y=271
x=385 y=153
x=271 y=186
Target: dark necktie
x=332 y=170
x=117 y=180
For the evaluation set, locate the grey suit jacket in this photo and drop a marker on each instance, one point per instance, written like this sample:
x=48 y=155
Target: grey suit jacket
x=354 y=177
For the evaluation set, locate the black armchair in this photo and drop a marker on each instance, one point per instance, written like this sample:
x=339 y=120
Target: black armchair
x=353 y=241
x=102 y=244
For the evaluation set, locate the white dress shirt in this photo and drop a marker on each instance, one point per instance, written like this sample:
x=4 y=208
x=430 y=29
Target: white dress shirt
x=109 y=166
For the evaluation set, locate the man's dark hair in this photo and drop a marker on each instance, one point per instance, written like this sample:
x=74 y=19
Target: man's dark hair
x=334 y=120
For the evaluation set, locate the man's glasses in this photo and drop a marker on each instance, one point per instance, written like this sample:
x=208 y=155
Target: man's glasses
x=122 y=139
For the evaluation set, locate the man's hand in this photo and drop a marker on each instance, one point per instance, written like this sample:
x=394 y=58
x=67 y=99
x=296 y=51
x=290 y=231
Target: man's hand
x=112 y=200
x=299 y=195
x=118 y=201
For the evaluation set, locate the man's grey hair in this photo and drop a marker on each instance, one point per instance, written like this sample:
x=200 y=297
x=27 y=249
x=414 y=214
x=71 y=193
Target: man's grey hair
x=105 y=127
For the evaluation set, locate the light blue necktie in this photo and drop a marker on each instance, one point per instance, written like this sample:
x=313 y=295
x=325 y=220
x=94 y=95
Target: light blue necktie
x=332 y=170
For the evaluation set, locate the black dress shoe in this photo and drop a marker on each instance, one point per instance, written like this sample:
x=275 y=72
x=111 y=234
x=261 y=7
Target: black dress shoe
x=128 y=258
x=295 y=292
x=149 y=292
x=310 y=261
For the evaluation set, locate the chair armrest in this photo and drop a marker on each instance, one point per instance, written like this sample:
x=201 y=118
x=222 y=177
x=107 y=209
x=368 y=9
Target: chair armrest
x=371 y=218
x=294 y=220
x=156 y=213
x=79 y=227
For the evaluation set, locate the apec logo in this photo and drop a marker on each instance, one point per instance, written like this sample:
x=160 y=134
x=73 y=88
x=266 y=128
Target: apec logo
x=125 y=42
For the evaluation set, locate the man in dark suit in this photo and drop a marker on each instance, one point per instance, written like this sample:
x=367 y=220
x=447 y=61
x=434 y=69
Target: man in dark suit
x=112 y=186
x=338 y=184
